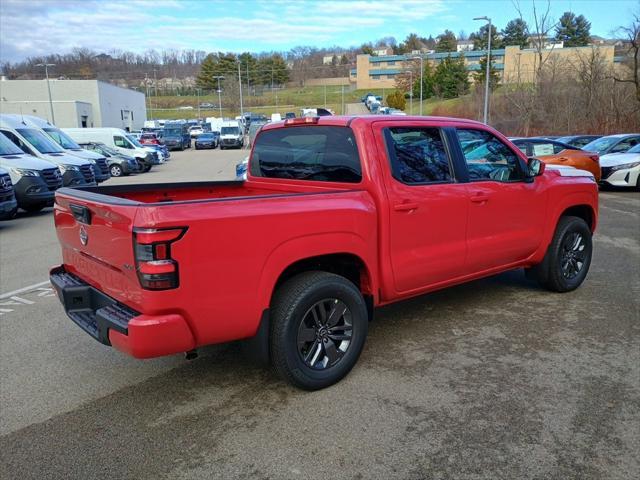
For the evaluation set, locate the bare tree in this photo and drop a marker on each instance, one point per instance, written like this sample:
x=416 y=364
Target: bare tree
x=632 y=33
x=542 y=25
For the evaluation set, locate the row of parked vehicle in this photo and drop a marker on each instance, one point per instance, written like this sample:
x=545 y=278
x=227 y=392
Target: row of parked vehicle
x=613 y=159
x=37 y=158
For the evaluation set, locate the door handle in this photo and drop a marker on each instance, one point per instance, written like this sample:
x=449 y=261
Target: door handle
x=405 y=207
x=480 y=198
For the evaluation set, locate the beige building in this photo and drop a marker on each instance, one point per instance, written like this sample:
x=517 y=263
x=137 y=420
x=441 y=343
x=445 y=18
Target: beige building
x=512 y=63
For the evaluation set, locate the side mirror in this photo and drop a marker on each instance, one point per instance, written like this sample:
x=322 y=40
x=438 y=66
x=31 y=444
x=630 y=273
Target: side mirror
x=536 y=167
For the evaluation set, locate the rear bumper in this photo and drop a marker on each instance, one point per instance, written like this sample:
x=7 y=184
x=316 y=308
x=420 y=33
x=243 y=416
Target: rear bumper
x=114 y=324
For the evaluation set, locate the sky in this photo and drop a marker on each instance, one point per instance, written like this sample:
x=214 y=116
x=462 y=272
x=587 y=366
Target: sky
x=37 y=27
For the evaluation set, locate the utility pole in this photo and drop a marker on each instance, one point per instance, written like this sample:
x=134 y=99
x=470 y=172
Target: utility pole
x=46 y=74
x=240 y=85
x=342 y=91
x=486 y=79
x=325 y=96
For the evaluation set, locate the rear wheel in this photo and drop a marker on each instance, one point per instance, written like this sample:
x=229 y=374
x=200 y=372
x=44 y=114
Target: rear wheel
x=146 y=168
x=567 y=261
x=116 y=170
x=34 y=208
x=319 y=325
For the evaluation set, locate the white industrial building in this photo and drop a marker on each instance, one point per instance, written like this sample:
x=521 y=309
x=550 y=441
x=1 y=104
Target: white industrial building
x=76 y=103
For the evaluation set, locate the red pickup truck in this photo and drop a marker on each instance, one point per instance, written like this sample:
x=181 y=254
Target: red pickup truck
x=338 y=215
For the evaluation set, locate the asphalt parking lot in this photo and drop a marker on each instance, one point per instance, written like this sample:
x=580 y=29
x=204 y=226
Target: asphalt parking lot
x=493 y=379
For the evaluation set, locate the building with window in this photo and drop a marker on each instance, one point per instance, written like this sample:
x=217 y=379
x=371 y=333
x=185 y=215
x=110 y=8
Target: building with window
x=76 y=103
x=512 y=63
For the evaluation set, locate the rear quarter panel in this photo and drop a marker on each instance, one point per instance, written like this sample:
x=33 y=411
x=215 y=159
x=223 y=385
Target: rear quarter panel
x=234 y=251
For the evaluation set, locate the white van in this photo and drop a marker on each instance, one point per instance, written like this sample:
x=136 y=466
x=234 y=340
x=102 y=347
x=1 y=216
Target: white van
x=100 y=166
x=34 y=180
x=231 y=134
x=115 y=138
x=75 y=171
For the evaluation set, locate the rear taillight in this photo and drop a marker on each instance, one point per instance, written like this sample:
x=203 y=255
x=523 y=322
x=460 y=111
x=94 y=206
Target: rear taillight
x=152 y=250
x=595 y=158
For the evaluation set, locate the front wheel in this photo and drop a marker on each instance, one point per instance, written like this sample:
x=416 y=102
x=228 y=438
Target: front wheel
x=568 y=258
x=319 y=325
x=116 y=170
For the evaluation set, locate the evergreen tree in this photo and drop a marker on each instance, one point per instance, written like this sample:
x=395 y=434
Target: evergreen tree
x=480 y=75
x=480 y=40
x=516 y=33
x=451 y=78
x=573 y=30
x=216 y=64
x=447 y=42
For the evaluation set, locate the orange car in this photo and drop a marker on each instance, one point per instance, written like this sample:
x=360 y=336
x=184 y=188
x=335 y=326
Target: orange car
x=550 y=151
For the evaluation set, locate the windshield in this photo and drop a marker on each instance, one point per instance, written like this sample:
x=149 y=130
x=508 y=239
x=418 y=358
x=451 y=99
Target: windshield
x=135 y=141
x=177 y=132
x=7 y=147
x=318 y=153
x=635 y=149
x=62 y=138
x=206 y=136
x=600 y=145
x=39 y=141
x=230 y=131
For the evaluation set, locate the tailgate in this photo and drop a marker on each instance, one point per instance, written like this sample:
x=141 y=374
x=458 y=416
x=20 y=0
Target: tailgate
x=97 y=242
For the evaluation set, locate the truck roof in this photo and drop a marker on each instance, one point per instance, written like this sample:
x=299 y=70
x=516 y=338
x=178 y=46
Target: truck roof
x=346 y=120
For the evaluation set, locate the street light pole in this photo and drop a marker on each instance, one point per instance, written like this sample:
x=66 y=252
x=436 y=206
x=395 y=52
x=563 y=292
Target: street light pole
x=46 y=74
x=198 y=96
x=219 y=95
x=240 y=85
x=488 y=73
x=421 y=81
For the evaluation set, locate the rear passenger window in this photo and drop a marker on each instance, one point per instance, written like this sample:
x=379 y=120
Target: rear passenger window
x=418 y=155
x=320 y=153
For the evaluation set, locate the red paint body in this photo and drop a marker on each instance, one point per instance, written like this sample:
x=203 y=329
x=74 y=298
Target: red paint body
x=241 y=238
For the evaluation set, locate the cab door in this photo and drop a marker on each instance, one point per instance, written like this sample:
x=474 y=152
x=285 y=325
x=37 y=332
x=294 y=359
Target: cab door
x=506 y=209
x=427 y=206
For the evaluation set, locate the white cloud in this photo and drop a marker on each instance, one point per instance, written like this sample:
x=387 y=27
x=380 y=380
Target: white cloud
x=40 y=27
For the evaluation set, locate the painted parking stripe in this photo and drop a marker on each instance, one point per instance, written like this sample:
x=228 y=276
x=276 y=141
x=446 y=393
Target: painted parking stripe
x=23 y=289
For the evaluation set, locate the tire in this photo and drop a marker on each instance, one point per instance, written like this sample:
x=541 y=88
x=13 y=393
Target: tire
x=146 y=168
x=309 y=354
x=10 y=215
x=116 y=170
x=34 y=208
x=568 y=258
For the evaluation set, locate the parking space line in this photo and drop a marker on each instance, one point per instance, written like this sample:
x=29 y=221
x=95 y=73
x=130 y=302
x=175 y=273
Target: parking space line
x=23 y=289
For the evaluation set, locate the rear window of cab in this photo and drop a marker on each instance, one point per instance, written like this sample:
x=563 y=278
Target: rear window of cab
x=317 y=153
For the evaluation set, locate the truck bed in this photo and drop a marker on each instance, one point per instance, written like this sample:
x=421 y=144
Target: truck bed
x=156 y=193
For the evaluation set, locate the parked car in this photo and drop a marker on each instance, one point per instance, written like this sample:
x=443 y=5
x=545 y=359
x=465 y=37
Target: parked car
x=622 y=169
x=119 y=164
x=176 y=136
x=289 y=115
x=157 y=150
x=613 y=143
x=578 y=140
x=34 y=180
x=253 y=131
x=195 y=131
x=231 y=135
x=554 y=152
x=207 y=105
x=149 y=138
x=8 y=202
x=340 y=232
x=99 y=162
x=117 y=139
x=76 y=172
x=207 y=140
